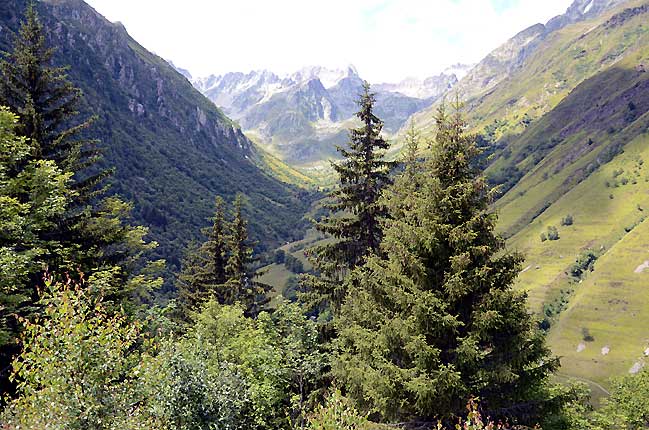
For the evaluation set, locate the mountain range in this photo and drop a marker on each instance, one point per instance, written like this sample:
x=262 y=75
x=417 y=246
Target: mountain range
x=301 y=117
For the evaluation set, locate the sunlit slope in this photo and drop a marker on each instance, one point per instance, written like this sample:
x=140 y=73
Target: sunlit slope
x=601 y=217
x=588 y=129
x=608 y=208
x=563 y=60
x=612 y=306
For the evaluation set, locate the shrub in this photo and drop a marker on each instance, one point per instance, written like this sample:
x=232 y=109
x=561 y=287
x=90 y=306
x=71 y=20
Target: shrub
x=337 y=413
x=280 y=256
x=567 y=220
x=583 y=264
x=586 y=336
x=553 y=233
x=78 y=367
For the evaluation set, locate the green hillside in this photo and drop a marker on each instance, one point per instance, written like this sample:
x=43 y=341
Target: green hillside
x=568 y=134
x=172 y=148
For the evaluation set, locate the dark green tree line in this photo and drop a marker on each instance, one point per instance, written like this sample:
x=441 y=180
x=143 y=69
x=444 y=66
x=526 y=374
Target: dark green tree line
x=221 y=267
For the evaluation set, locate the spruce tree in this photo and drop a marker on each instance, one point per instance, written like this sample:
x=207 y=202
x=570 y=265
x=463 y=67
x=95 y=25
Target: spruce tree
x=355 y=222
x=363 y=175
x=434 y=319
x=411 y=152
x=203 y=274
x=48 y=105
x=241 y=285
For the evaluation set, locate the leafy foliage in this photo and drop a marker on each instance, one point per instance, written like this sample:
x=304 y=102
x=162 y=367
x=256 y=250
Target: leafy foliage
x=337 y=413
x=78 y=367
x=234 y=372
x=33 y=194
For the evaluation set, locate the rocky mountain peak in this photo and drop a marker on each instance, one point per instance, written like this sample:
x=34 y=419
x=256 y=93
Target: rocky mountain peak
x=328 y=76
x=580 y=10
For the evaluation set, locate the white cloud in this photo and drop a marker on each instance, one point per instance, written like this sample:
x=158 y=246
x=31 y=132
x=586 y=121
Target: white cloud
x=386 y=40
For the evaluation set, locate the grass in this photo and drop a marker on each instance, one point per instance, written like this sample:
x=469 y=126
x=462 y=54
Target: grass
x=599 y=224
x=613 y=305
x=277 y=276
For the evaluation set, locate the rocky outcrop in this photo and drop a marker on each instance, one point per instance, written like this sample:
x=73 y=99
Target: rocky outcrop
x=311 y=107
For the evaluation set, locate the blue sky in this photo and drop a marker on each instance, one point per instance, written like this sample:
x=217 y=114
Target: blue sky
x=387 y=40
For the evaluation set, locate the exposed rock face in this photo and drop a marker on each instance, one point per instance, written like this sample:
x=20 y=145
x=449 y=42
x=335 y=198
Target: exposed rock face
x=431 y=87
x=580 y=10
x=186 y=73
x=500 y=62
x=620 y=18
x=310 y=108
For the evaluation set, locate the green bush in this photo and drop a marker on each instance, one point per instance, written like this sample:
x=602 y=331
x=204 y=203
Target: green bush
x=236 y=373
x=584 y=263
x=79 y=367
x=338 y=413
x=567 y=220
x=85 y=367
x=553 y=233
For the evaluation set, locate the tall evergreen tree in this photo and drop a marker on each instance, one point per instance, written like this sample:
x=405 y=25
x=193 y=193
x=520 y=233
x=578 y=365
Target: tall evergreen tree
x=204 y=273
x=355 y=223
x=411 y=152
x=363 y=175
x=434 y=318
x=241 y=285
x=48 y=105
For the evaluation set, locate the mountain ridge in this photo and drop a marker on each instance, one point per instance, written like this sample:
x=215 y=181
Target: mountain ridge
x=174 y=149
x=301 y=116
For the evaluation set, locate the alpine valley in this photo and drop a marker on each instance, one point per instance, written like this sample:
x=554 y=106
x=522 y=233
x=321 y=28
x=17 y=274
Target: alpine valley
x=338 y=254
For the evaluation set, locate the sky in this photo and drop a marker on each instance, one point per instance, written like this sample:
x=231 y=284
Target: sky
x=386 y=40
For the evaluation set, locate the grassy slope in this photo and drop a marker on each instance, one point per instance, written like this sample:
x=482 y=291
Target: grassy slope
x=571 y=177
x=613 y=305
x=577 y=90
